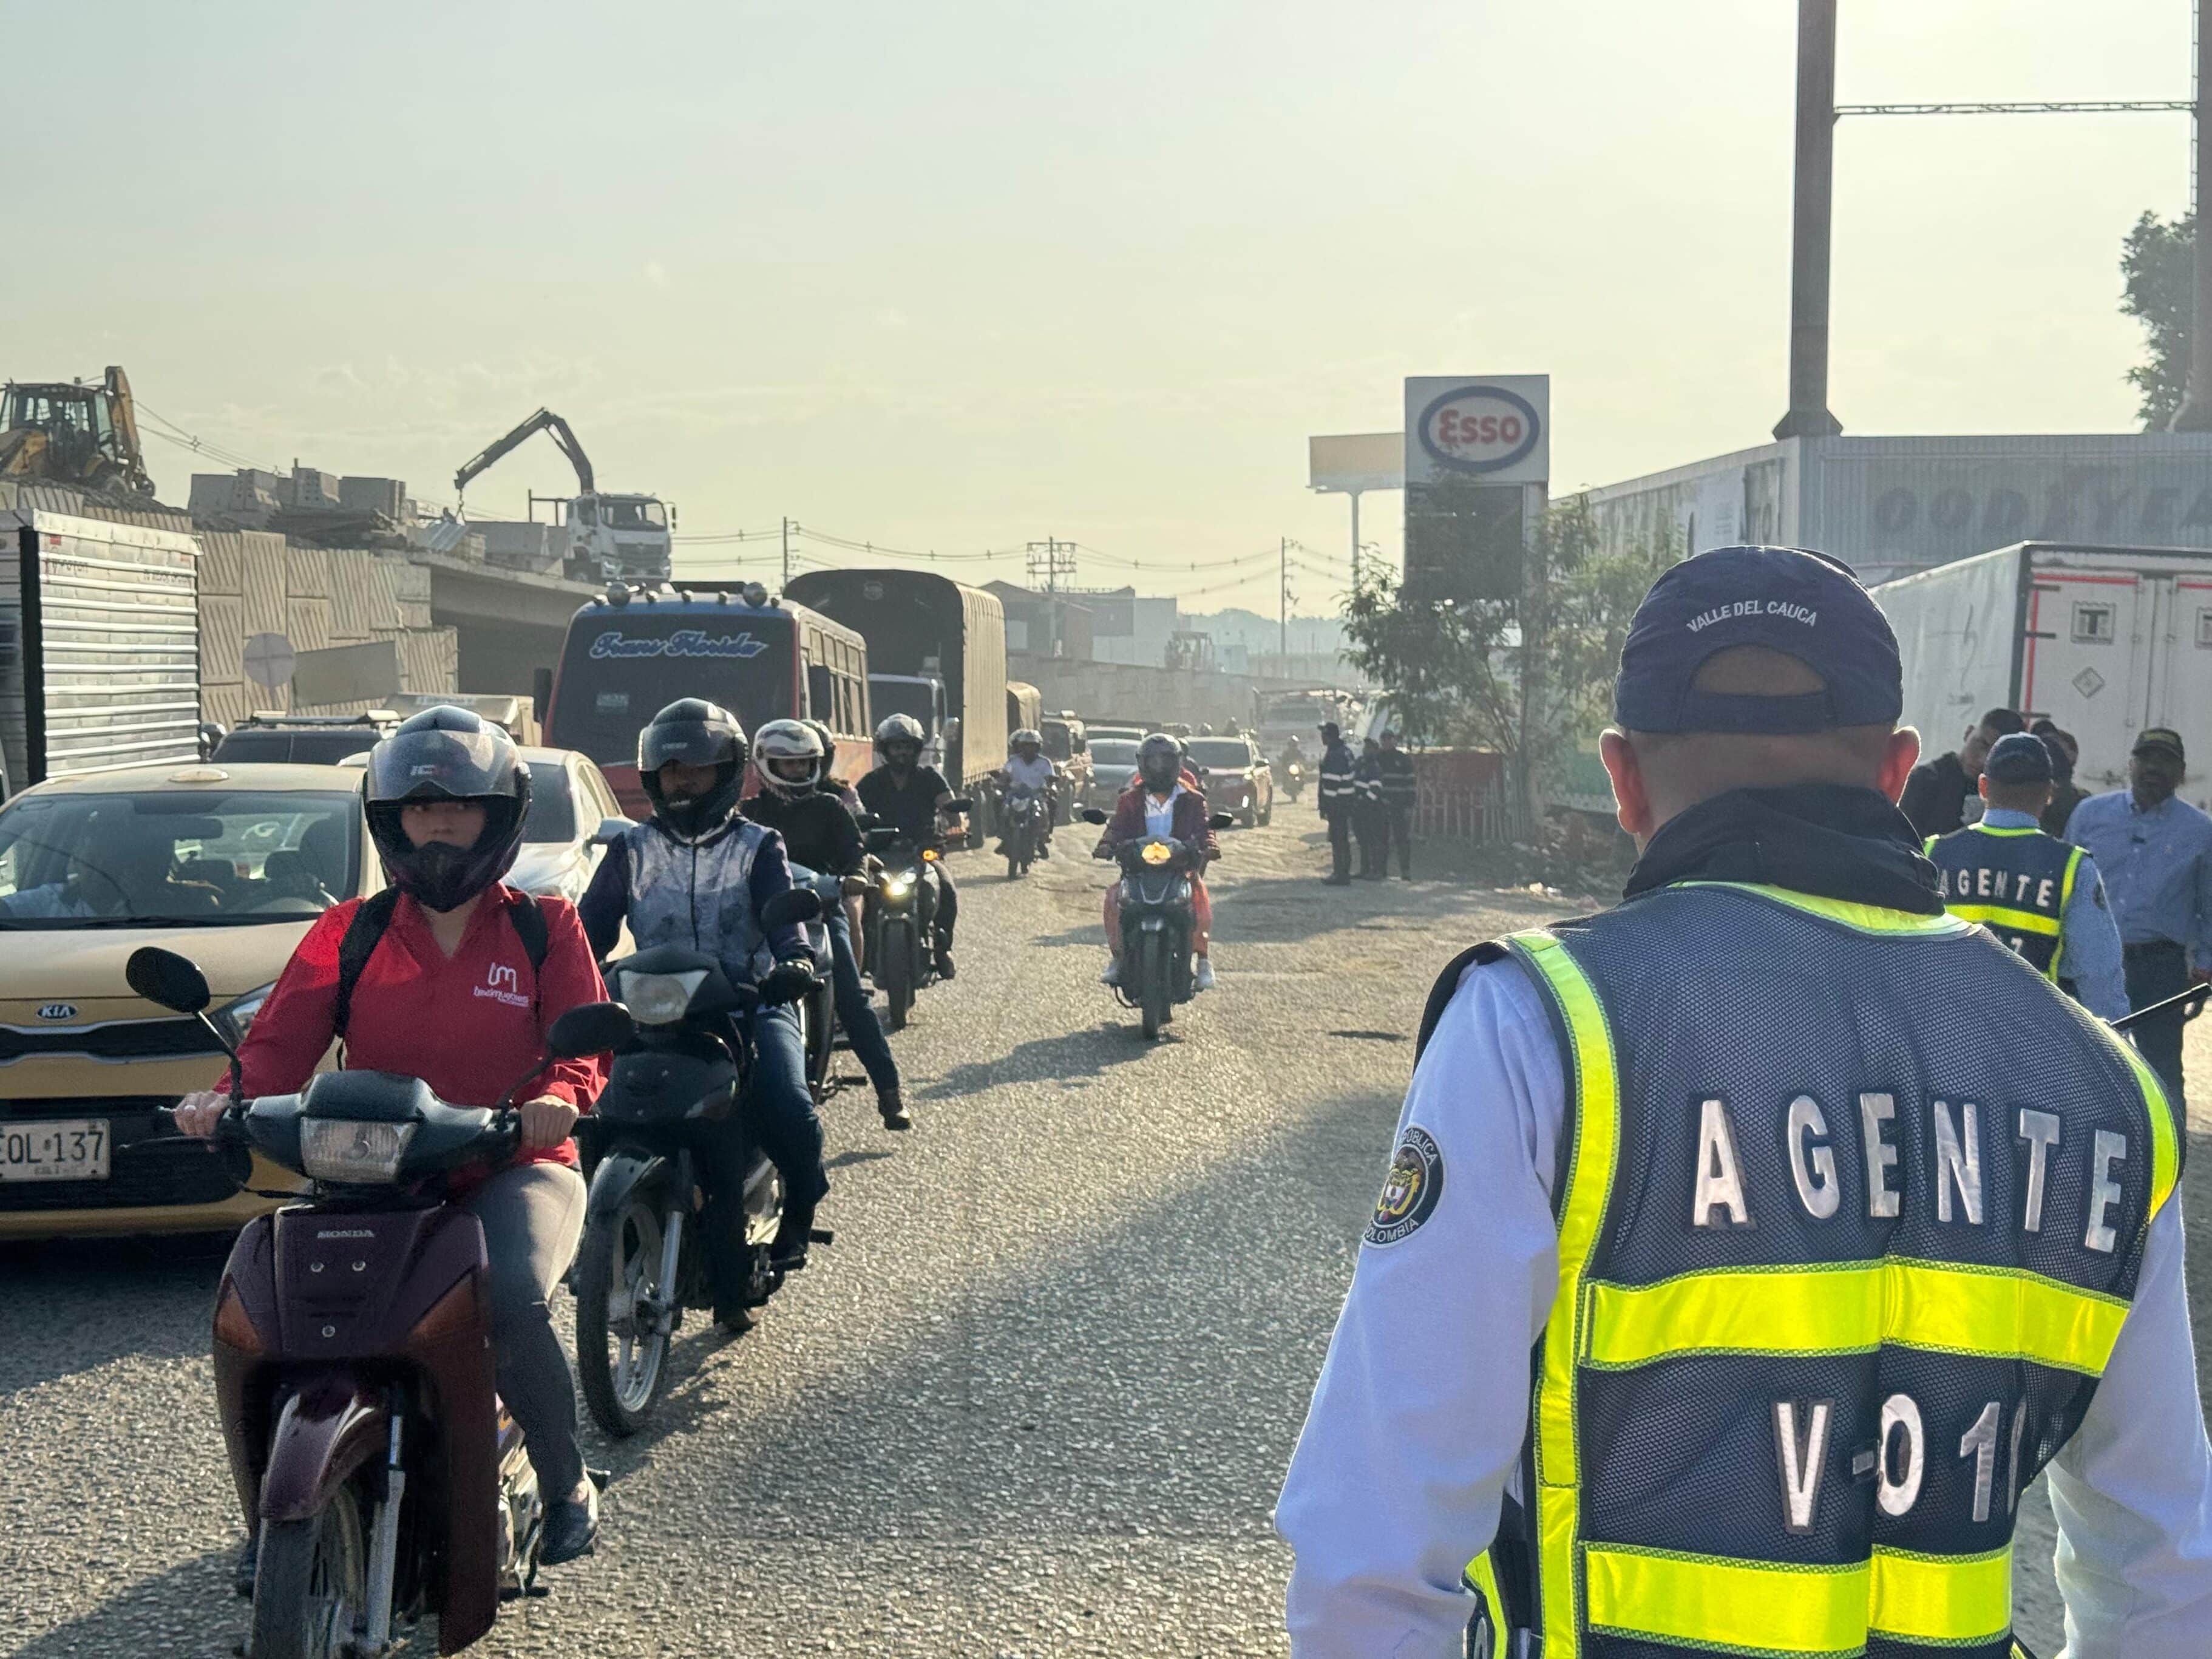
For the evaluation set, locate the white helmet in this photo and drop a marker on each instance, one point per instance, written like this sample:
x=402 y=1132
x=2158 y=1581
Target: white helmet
x=900 y=728
x=777 y=745
x=1027 y=734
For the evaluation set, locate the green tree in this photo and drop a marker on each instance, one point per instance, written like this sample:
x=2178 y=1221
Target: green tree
x=1436 y=661
x=2157 y=272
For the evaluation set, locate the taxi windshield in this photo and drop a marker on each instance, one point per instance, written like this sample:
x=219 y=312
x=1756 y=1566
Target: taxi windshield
x=202 y=858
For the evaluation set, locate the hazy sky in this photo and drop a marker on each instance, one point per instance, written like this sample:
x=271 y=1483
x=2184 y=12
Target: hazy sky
x=962 y=275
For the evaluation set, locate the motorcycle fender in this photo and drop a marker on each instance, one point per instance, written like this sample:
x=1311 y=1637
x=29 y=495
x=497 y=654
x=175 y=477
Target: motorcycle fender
x=328 y=1430
x=620 y=1174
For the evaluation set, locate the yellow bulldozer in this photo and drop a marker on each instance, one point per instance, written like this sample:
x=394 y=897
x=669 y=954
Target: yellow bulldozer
x=74 y=432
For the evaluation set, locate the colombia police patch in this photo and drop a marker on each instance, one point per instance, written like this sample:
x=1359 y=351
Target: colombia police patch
x=1411 y=1190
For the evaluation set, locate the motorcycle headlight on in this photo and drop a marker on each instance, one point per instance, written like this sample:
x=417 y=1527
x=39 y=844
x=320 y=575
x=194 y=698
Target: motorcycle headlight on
x=347 y=1153
x=1157 y=852
x=660 y=998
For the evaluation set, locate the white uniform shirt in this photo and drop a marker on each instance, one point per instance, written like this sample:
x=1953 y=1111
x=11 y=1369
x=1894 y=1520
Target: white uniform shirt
x=1419 y=1418
x=1033 y=775
x=1159 y=814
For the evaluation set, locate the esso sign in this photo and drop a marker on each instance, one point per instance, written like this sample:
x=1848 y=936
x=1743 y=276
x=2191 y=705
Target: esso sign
x=1479 y=429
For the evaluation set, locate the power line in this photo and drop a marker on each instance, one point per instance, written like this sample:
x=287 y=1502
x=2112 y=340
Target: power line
x=2031 y=106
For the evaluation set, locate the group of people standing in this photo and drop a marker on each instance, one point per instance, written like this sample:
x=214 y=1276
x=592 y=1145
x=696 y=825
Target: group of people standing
x=2109 y=894
x=1368 y=798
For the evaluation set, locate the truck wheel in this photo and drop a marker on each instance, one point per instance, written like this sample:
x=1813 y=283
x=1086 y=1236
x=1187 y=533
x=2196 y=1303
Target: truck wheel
x=311 y=1586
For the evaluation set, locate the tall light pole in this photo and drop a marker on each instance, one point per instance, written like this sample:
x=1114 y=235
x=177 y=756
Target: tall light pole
x=2194 y=414
x=1811 y=225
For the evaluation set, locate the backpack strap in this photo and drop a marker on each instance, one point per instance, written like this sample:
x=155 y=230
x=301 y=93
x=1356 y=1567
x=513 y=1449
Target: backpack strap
x=361 y=936
x=366 y=929
x=1440 y=994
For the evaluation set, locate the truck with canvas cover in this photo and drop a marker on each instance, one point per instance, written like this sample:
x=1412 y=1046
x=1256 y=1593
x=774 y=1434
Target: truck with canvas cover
x=629 y=656
x=928 y=627
x=2104 y=640
x=99 y=646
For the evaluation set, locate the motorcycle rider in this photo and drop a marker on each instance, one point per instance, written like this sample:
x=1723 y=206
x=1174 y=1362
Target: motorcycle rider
x=1028 y=767
x=819 y=834
x=447 y=796
x=909 y=797
x=695 y=874
x=832 y=784
x=1164 y=802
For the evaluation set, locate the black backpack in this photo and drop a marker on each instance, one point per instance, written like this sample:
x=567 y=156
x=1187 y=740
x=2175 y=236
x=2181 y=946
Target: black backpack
x=366 y=928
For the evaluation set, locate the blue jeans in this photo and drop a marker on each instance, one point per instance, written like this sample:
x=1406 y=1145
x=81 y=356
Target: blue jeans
x=855 y=1011
x=780 y=1112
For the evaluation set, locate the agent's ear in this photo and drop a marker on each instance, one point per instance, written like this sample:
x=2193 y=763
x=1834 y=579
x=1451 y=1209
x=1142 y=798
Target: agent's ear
x=1898 y=761
x=1623 y=766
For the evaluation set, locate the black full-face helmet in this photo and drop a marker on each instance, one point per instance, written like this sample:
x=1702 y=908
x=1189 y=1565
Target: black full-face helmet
x=1159 y=762
x=447 y=754
x=698 y=733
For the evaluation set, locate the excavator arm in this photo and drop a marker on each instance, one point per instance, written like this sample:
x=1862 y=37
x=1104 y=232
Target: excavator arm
x=543 y=421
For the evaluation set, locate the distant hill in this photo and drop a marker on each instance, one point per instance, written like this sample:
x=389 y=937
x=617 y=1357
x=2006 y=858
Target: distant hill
x=1254 y=632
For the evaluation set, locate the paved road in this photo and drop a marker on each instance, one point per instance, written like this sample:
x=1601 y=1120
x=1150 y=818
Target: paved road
x=1036 y=1400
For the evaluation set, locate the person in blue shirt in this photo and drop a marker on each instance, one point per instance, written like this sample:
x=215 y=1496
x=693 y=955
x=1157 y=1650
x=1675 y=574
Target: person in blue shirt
x=2039 y=895
x=2156 y=856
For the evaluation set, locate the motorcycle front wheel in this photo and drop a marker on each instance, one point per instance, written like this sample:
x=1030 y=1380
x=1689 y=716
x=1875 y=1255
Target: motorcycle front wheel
x=311 y=1587
x=621 y=1352
x=894 y=973
x=1152 y=981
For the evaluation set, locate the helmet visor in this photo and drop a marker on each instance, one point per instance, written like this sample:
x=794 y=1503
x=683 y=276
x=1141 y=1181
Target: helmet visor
x=695 y=742
x=441 y=764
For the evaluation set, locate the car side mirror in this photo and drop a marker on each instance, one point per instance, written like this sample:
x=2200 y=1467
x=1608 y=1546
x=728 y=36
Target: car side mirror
x=610 y=831
x=168 y=979
x=1092 y=815
x=1220 y=821
x=788 y=909
x=595 y=1028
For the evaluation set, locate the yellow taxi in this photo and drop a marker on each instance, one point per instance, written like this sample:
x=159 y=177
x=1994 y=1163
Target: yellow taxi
x=228 y=865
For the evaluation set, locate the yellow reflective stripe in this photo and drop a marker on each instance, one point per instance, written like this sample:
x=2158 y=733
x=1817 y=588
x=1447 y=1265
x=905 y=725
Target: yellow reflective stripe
x=1929 y=846
x=1991 y=829
x=1710 y=1602
x=1595 y=1092
x=1713 y=1603
x=1864 y=918
x=1944 y=1599
x=1483 y=1578
x=1988 y=1312
x=2001 y=915
x=2165 y=1143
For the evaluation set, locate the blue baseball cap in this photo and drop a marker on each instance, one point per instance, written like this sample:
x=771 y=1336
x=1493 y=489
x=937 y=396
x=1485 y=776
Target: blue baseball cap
x=1805 y=604
x=2022 y=758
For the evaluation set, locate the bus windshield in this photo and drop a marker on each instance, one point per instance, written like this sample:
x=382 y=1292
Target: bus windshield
x=620 y=669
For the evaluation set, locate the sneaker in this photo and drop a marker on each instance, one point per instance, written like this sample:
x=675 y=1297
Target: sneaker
x=1202 y=978
x=1044 y=852
x=1113 y=974
x=895 y=1113
x=945 y=965
x=572 y=1527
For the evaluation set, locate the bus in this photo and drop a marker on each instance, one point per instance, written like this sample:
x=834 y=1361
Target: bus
x=626 y=658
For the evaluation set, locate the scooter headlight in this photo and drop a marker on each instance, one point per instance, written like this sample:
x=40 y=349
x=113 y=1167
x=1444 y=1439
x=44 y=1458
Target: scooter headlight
x=339 y=1150
x=660 y=998
x=1157 y=852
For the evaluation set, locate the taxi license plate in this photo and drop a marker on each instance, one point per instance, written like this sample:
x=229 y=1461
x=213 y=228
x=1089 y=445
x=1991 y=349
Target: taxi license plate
x=64 y=1149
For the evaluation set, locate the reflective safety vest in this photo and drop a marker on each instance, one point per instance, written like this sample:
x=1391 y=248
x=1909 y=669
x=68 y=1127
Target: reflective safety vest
x=1850 y=1214
x=2016 y=882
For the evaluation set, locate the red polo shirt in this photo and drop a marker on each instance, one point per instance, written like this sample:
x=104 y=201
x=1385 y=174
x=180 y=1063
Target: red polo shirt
x=463 y=1023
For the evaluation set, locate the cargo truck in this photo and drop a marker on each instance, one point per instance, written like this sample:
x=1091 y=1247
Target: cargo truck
x=2105 y=640
x=930 y=628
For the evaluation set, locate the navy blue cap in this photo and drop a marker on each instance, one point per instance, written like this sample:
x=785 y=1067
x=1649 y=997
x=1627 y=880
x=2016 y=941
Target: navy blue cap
x=1806 y=604
x=2022 y=758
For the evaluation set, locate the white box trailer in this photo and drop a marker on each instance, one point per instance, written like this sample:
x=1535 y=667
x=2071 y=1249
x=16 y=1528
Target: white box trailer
x=2105 y=640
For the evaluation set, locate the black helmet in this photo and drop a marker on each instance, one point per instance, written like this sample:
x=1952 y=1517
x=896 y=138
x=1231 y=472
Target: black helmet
x=698 y=733
x=1159 y=760
x=447 y=754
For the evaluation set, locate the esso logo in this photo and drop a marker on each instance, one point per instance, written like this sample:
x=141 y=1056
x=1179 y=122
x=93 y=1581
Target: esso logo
x=1480 y=429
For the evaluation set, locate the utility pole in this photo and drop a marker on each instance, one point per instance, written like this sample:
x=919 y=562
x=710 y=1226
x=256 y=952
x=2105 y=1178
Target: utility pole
x=1814 y=222
x=787 y=552
x=1283 y=608
x=2194 y=414
x=1049 y=561
x=1355 y=543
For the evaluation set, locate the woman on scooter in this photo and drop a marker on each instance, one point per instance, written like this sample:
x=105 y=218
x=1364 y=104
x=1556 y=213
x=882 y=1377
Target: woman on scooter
x=461 y=978
x=1162 y=800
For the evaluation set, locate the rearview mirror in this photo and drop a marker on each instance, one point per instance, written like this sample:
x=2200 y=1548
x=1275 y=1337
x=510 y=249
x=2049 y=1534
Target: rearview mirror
x=1092 y=815
x=168 y=979
x=788 y=910
x=595 y=1028
x=959 y=803
x=880 y=839
x=610 y=831
x=1220 y=821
